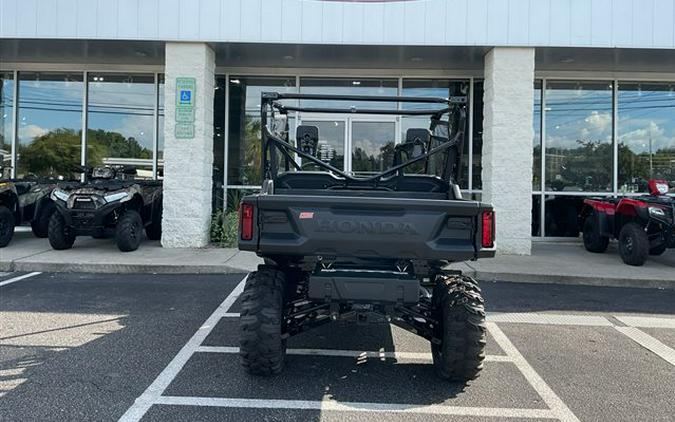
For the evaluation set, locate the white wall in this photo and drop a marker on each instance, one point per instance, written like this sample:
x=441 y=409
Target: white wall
x=575 y=23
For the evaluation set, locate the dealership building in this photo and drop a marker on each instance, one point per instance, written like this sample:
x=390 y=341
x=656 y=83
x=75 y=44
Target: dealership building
x=566 y=98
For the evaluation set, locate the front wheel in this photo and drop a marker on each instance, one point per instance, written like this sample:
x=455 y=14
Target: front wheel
x=633 y=244
x=458 y=307
x=40 y=225
x=129 y=231
x=6 y=226
x=261 y=347
x=60 y=235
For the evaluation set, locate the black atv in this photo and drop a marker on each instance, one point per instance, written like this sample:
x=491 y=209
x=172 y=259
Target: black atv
x=109 y=202
x=340 y=246
x=25 y=201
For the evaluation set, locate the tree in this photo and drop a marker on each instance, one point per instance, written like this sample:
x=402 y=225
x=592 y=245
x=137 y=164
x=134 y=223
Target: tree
x=55 y=153
x=117 y=145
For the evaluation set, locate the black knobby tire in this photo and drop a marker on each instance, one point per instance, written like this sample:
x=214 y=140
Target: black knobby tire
x=261 y=346
x=594 y=241
x=154 y=230
x=40 y=225
x=129 y=231
x=459 y=308
x=658 y=250
x=60 y=235
x=633 y=244
x=6 y=226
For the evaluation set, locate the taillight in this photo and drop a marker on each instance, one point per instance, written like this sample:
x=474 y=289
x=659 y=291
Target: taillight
x=246 y=221
x=488 y=229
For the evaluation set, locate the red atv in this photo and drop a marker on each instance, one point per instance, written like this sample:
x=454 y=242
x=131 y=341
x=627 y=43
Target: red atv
x=643 y=225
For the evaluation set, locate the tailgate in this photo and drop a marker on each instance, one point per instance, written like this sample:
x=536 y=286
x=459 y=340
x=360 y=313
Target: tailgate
x=367 y=227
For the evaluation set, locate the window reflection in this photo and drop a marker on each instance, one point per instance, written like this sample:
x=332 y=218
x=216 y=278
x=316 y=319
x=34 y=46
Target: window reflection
x=121 y=121
x=579 y=136
x=536 y=142
x=477 y=170
x=244 y=151
x=160 y=127
x=6 y=122
x=50 y=124
x=331 y=143
x=372 y=146
x=646 y=135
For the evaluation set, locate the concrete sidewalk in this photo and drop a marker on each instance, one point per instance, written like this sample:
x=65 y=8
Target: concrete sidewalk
x=562 y=263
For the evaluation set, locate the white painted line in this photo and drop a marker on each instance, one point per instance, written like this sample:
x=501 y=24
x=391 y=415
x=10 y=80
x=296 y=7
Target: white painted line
x=331 y=405
x=18 y=278
x=650 y=343
x=155 y=390
x=550 y=319
x=647 y=322
x=231 y=315
x=552 y=400
x=423 y=356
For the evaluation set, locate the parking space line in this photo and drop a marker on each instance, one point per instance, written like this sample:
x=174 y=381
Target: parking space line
x=647 y=322
x=551 y=399
x=331 y=405
x=155 y=390
x=424 y=356
x=18 y=278
x=650 y=343
x=550 y=319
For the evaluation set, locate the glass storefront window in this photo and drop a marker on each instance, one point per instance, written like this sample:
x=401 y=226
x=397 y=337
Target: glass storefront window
x=579 y=147
x=646 y=134
x=6 y=122
x=219 y=143
x=478 y=90
x=50 y=124
x=243 y=147
x=536 y=142
x=372 y=146
x=349 y=86
x=434 y=88
x=160 y=127
x=121 y=120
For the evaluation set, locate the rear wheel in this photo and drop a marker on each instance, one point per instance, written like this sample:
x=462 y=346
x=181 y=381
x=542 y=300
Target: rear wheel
x=40 y=225
x=6 y=226
x=658 y=250
x=129 y=231
x=459 y=308
x=594 y=241
x=154 y=230
x=60 y=235
x=633 y=244
x=262 y=349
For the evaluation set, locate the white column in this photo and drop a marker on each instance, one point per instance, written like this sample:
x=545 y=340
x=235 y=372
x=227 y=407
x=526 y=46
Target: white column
x=188 y=161
x=507 y=145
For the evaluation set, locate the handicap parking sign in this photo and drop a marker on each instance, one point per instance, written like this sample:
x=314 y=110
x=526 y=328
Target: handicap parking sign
x=185 y=96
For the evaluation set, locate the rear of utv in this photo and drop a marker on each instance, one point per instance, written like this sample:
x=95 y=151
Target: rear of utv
x=364 y=247
x=109 y=202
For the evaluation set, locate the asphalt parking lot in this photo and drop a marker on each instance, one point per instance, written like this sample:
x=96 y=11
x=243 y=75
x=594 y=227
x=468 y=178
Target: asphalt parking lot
x=84 y=347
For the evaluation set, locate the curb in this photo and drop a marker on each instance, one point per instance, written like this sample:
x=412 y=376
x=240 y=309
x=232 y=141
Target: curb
x=574 y=280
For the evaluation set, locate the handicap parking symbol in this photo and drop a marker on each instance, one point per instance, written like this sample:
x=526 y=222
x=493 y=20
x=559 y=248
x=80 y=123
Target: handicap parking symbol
x=185 y=96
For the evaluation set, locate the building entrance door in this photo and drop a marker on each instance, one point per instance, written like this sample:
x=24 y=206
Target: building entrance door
x=357 y=144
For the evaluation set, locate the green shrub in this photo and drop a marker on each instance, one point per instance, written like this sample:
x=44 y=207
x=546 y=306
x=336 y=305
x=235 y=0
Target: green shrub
x=224 y=228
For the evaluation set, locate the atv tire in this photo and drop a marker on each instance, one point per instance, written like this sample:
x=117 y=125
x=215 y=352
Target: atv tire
x=60 y=235
x=154 y=230
x=658 y=250
x=262 y=349
x=6 y=226
x=633 y=244
x=594 y=241
x=40 y=225
x=458 y=306
x=129 y=231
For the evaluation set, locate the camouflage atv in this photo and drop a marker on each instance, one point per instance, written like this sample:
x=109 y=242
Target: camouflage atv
x=110 y=201
x=25 y=201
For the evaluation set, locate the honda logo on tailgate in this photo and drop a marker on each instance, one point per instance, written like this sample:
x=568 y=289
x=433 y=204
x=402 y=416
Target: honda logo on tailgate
x=364 y=227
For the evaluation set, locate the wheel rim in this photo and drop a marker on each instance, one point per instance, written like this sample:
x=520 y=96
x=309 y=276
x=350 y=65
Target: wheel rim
x=628 y=244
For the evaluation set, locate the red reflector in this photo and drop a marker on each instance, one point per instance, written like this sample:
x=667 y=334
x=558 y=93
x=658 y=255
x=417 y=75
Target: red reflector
x=246 y=221
x=488 y=229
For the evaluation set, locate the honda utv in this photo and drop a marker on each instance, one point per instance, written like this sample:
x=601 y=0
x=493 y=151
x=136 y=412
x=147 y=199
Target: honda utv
x=24 y=201
x=643 y=225
x=343 y=246
x=109 y=201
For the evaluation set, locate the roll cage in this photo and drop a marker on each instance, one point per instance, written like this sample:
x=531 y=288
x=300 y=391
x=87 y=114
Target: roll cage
x=449 y=134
